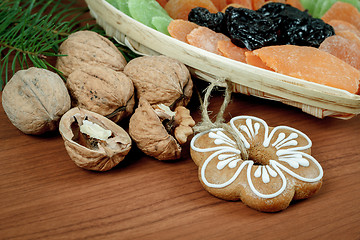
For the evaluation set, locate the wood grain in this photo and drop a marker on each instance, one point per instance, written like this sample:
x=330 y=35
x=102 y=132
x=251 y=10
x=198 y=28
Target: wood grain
x=44 y=195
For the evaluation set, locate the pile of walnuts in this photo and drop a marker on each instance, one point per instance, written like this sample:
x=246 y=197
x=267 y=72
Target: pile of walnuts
x=101 y=89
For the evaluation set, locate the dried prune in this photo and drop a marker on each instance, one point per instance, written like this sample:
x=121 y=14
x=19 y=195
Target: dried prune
x=248 y=28
x=272 y=24
x=203 y=17
x=296 y=27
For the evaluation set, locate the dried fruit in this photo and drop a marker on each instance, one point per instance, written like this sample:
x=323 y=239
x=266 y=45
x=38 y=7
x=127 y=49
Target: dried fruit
x=203 y=17
x=160 y=79
x=162 y=2
x=145 y=10
x=296 y=27
x=310 y=64
x=161 y=24
x=179 y=29
x=230 y=50
x=122 y=5
x=256 y=4
x=243 y=3
x=102 y=90
x=153 y=127
x=272 y=24
x=350 y=35
x=206 y=39
x=179 y=9
x=340 y=25
x=219 y=4
x=343 y=11
x=250 y=29
x=88 y=48
x=34 y=100
x=92 y=141
x=346 y=49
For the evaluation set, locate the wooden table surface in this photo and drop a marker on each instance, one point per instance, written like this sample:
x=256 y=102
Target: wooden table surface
x=44 y=195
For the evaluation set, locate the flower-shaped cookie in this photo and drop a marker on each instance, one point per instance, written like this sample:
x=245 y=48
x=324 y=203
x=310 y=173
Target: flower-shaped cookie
x=279 y=169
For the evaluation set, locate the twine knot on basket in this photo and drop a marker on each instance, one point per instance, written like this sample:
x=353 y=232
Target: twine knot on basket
x=206 y=123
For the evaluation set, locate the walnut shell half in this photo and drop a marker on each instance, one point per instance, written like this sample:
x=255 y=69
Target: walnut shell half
x=89 y=151
x=35 y=99
x=88 y=48
x=160 y=79
x=150 y=135
x=102 y=90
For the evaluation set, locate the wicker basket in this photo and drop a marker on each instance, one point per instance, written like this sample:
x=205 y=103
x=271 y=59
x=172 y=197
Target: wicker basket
x=315 y=99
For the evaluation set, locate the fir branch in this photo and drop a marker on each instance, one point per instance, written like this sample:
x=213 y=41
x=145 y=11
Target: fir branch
x=31 y=31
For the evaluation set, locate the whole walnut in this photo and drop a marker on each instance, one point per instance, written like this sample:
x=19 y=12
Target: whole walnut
x=158 y=131
x=35 y=99
x=92 y=141
x=160 y=79
x=88 y=47
x=102 y=90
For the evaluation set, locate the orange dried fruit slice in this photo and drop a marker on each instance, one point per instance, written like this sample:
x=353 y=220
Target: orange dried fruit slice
x=179 y=9
x=254 y=60
x=179 y=29
x=243 y=3
x=340 y=25
x=346 y=49
x=205 y=38
x=256 y=4
x=350 y=35
x=219 y=4
x=230 y=50
x=343 y=11
x=311 y=64
x=162 y=2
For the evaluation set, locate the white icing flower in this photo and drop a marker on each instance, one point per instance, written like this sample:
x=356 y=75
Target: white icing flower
x=291 y=156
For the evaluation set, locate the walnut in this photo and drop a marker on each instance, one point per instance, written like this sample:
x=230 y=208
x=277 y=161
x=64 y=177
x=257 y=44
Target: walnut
x=160 y=79
x=92 y=141
x=35 y=99
x=184 y=123
x=152 y=127
x=102 y=90
x=88 y=48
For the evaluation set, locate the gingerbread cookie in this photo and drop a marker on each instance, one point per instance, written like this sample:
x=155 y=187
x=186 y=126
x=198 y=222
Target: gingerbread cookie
x=279 y=168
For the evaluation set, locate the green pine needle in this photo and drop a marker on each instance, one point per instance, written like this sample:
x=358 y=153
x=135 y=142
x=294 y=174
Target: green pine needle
x=31 y=31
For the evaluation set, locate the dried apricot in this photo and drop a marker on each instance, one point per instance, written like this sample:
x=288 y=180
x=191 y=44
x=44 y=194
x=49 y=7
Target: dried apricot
x=162 y=2
x=230 y=50
x=205 y=38
x=254 y=60
x=340 y=25
x=243 y=3
x=256 y=4
x=310 y=64
x=343 y=11
x=350 y=36
x=179 y=29
x=179 y=9
x=219 y=4
x=343 y=48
